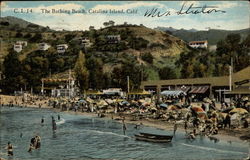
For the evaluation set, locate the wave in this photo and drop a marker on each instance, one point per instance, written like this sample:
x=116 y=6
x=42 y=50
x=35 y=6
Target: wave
x=62 y=121
x=212 y=149
x=101 y=132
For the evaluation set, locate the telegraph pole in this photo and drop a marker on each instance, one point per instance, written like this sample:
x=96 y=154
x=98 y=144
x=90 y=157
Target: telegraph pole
x=69 y=82
x=230 y=74
x=128 y=83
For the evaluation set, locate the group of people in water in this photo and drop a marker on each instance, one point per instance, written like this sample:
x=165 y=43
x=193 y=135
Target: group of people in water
x=35 y=142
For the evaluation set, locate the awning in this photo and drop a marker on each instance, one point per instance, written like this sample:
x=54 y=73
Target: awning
x=172 y=93
x=184 y=88
x=139 y=92
x=199 y=89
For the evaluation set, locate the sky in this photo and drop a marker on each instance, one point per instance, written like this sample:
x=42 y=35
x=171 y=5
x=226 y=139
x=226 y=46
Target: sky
x=235 y=17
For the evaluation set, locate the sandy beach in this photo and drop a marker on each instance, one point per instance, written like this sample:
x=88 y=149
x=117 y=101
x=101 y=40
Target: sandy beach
x=229 y=135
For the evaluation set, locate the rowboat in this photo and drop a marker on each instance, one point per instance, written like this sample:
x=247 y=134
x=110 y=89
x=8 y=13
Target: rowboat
x=149 y=137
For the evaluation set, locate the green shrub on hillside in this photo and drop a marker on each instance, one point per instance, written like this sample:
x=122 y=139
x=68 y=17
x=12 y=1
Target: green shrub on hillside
x=147 y=57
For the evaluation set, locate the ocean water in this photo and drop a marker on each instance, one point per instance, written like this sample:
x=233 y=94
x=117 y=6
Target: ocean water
x=83 y=137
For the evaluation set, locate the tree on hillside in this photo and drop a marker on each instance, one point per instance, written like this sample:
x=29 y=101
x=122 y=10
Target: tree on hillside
x=35 y=67
x=147 y=57
x=167 y=73
x=36 y=38
x=81 y=72
x=69 y=37
x=95 y=67
x=19 y=35
x=232 y=49
x=137 y=43
x=13 y=73
x=28 y=35
x=4 y=23
x=131 y=69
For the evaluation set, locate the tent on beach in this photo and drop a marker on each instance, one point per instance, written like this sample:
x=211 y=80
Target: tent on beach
x=239 y=111
x=172 y=93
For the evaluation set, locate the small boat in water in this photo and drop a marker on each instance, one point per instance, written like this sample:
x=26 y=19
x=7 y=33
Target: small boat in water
x=149 y=137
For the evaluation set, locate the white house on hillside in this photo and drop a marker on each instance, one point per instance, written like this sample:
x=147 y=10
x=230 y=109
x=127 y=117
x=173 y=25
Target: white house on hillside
x=198 y=44
x=86 y=42
x=113 y=38
x=43 y=46
x=61 y=48
x=18 y=47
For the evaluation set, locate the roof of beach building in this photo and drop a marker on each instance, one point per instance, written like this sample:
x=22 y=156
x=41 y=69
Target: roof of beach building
x=214 y=81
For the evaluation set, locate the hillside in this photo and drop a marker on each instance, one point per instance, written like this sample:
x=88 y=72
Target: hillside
x=142 y=49
x=18 y=24
x=212 y=35
x=159 y=43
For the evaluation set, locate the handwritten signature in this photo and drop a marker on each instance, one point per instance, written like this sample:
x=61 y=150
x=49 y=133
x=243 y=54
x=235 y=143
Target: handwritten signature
x=191 y=9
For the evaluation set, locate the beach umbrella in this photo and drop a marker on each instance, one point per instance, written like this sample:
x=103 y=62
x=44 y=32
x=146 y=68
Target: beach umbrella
x=202 y=115
x=141 y=101
x=153 y=108
x=124 y=103
x=245 y=99
x=89 y=100
x=119 y=100
x=198 y=109
x=146 y=104
x=109 y=101
x=163 y=105
x=239 y=111
x=102 y=103
x=82 y=101
x=172 y=107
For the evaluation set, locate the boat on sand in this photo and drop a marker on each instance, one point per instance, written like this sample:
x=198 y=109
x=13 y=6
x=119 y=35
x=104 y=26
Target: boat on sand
x=149 y=137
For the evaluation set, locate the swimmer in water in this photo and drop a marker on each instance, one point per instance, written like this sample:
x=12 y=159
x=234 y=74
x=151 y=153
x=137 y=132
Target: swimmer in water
x=38 y=142
x=42 y=120
x=10 y=149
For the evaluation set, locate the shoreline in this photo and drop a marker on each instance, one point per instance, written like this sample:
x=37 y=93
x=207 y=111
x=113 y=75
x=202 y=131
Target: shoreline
x=229 y=135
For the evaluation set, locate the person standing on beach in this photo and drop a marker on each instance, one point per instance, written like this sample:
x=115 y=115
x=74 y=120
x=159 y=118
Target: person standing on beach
x=10 y=149
x=227 y=121
x=175 y=127
x=58 y=117
x=185 y=126
x=124 y=128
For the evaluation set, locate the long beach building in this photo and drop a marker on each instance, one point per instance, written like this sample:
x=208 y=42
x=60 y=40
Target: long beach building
x=214 y=87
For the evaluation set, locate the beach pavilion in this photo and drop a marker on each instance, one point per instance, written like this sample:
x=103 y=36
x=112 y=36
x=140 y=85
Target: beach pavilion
x=238 y=84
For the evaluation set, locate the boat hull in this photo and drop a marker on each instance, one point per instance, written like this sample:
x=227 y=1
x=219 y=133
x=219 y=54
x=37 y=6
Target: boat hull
x=153 y=138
